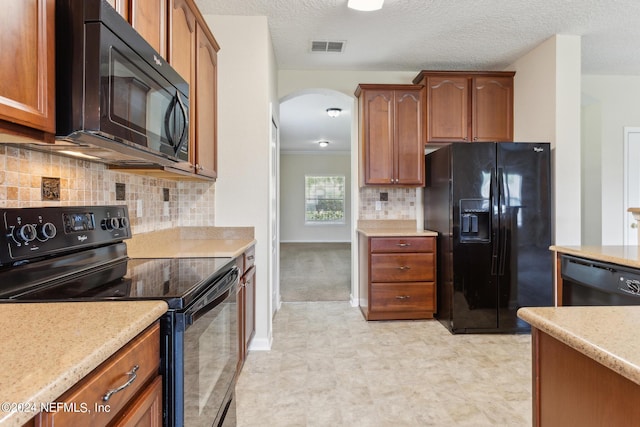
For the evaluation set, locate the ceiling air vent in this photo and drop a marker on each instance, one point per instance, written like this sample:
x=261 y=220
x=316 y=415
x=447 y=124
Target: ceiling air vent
x=327 y=46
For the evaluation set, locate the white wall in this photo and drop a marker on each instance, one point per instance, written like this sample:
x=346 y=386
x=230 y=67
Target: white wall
x=293 y=168
x=547 y=108
x=246 y=88
x=612 y=105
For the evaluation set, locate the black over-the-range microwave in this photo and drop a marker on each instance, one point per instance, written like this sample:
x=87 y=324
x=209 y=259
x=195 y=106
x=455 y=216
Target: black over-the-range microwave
x=117 y=100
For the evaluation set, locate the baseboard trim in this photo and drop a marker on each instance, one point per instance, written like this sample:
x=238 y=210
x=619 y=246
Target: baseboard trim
x=261 y=344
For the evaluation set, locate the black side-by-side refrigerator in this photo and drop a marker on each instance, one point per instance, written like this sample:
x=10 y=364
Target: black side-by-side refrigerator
x=491 y=206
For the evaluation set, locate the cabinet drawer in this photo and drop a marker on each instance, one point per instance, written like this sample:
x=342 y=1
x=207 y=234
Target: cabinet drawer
x=249 y=258
x=402 y=267
x=143 y=351
x=402 y=244
x=413 y=296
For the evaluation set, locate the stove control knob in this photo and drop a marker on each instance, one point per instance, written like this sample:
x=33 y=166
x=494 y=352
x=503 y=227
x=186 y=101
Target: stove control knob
x=110 y=224
x=124 y=222
x=26 y=233
x=47 y=231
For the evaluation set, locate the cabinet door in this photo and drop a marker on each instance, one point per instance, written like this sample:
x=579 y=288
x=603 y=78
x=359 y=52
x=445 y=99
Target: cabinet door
x=206 y=105
x=447 y=109
x=377 y=134
x=250 y=307
x=146 y=409
x=27 y=86
x=149 y=19
x=492 y=109
x=409 y=137
x=182 y=54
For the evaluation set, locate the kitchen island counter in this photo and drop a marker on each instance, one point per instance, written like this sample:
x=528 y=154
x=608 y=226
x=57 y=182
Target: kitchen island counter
x=586 y=365
x=605 y=334
x=49 y=347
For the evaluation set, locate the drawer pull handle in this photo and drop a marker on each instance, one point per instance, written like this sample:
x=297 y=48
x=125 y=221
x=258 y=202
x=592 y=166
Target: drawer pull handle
x=404 y=267
x=132 y=373
x=403 y=245
x=403 y=296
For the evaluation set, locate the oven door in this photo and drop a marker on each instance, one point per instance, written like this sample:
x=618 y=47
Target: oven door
x=201 y=374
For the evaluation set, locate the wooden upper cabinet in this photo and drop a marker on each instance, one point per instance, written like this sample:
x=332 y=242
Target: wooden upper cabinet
x=182 y=56
x=206 y=105
x=27 y=86
x=468 y=106
x=492 y=108
x=149 y=19
x=448 y=119
x=392 y=134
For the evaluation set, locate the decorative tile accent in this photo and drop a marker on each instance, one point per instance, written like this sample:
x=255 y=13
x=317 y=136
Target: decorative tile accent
x=401 y=203
x=86 y=183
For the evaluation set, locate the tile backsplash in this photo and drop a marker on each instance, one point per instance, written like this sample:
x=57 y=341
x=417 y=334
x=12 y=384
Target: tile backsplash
x=191 y=203
x=401 y=203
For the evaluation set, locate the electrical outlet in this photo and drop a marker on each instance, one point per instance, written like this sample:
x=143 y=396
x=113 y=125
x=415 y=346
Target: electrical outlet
x=165 y=194
x=139 y=208
x=378 y=205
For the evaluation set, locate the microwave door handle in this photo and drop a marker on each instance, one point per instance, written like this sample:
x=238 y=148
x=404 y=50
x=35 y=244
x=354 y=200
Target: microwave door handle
x=176 y=140
x=185 y=130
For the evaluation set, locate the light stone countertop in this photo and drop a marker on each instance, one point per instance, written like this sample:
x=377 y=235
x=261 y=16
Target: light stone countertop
x=192 y=242
x=607 y=335
x=392 y=228
x=49 y=347
x=622 y=255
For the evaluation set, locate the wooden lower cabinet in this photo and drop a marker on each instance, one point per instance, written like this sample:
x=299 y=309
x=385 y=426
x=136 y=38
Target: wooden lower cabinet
x=246 y=304
x=397 y=277
x=571 y=389
x=135 y=370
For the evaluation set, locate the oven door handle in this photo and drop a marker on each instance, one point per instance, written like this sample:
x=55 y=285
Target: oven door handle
x=193 y=315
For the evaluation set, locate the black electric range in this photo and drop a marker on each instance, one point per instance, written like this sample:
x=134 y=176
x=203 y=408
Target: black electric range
x=55 y=254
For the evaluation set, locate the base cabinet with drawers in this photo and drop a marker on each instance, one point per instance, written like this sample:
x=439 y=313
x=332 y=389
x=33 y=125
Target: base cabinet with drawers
x=125 y=390
x=397 y=277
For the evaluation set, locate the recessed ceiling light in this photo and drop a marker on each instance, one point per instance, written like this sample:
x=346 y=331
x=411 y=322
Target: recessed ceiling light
x=334 y=112
x=323 y=144
x=365 y=5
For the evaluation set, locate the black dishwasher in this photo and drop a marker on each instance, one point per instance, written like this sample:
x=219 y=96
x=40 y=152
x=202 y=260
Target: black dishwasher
x=589 y=282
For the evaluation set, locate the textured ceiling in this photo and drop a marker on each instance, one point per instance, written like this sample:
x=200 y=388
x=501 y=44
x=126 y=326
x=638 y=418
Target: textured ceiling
x=412 y=35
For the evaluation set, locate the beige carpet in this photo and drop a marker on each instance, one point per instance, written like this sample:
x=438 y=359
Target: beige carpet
x=315 y=271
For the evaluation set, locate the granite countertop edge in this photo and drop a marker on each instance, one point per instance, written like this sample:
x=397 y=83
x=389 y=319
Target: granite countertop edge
x=594 y=346
x=628 y=256
x=33 y=379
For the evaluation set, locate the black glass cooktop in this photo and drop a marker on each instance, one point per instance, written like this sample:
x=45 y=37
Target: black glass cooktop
x=178 y=281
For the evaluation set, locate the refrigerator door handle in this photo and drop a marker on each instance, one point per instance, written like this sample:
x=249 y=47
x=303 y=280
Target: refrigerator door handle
x=495 y=211
x=503 y=203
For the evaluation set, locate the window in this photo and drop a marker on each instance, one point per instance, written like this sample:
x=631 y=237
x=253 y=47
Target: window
x=324 y=199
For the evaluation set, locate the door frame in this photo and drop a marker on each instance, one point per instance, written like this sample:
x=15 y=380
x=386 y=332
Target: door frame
x=628 y=166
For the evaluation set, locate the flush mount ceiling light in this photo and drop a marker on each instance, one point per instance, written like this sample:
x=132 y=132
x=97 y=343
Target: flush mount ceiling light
x=334 y=112
x=323 y=144
x=365 y=5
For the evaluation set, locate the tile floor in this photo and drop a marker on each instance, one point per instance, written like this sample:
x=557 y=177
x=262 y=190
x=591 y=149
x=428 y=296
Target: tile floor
x=329 y=367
